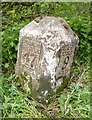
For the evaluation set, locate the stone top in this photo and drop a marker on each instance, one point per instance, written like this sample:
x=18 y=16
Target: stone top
x=46 y=26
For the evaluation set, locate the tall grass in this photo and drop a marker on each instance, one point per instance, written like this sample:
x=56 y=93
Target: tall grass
x=73 y=102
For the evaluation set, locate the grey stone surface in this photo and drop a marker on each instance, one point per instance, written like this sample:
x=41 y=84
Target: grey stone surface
x=46 y=51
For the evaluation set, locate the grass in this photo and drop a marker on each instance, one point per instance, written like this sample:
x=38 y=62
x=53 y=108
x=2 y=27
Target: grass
x=73 y=102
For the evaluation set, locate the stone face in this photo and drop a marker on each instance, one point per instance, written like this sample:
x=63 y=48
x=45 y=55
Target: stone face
x=46 y=51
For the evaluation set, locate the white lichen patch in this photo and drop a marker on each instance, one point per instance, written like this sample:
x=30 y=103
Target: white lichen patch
x=51 y=64
x=45 y=93
x=65 y=37
x=27 y=80
x=47 y=101
x=26 y=86
x=59 y=82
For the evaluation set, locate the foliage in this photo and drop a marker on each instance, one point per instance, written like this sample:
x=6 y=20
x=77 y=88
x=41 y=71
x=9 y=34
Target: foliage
x=12 y=22
x=16 y=104
x=73 y=101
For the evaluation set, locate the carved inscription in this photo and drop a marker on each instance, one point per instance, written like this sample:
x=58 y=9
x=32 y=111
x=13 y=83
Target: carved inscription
x=46 y=51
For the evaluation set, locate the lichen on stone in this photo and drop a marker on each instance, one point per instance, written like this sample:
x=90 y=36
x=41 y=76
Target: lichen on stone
x=46 y=52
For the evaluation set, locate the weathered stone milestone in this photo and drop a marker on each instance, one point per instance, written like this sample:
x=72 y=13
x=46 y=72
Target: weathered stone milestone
x=46 y=51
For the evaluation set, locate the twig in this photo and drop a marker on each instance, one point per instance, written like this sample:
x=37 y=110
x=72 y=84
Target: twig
x=35 y=15
x=38 y=104
x=27 y=4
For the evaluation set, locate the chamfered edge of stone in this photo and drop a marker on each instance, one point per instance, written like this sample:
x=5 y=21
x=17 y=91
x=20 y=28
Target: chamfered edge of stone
x=31 y=29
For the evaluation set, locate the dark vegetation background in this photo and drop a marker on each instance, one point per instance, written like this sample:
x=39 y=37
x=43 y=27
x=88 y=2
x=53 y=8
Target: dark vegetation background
x=74 y=101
